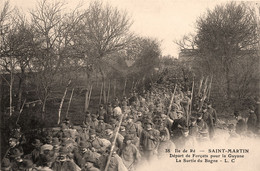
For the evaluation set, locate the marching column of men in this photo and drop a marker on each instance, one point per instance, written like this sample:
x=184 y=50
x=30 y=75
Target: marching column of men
x=147 y=131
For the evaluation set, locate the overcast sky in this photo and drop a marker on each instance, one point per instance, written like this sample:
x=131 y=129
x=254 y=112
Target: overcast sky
x=166 y=20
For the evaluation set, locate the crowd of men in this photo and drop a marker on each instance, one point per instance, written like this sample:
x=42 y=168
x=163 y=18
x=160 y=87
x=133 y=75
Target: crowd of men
x=122 y=135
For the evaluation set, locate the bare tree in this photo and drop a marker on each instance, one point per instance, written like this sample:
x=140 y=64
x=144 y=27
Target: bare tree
x=7 y=62
x=104 y=31
x=223 y=34
x=53 y=31
x=187 y=42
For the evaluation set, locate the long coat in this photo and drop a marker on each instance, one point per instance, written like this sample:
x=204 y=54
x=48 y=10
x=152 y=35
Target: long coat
x=149 y=139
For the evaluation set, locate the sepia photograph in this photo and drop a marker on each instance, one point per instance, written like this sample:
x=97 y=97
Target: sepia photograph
x=129 y=85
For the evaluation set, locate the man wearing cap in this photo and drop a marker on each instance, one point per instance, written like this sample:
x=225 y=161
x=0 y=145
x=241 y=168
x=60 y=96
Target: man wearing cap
x=94 y=121
x=109 y=115
x=252 y=121
x=200 y=122
x=122 y=130
x=213 y=113
x=81 y=153
x=16 y=159
x=101 y=127
x=149 y=140
x=101 y=111
x=115 y=164
x=45 y=163
x=167 y=122
x=96 y=144
x=129 y=153
x=233 y=136
x=193 y=128
x=203 y=138
x=177 y=125
x=13 y=144
x=131 y=127
x=35 y=154
x=56 y=146
x=6 y=165
x=90 y=165
x=84 y=135
x=186 y=102
x=165 y=143
x=63 y=163
x=207 y=117
x=185 y=141
x=87 y=119
x=111 y=136
x=117 y=111
x=27 y=165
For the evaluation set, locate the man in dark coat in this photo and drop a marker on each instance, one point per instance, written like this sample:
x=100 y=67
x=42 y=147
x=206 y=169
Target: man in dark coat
x=63 y=163
x=207 y=117
x=213 y=113
x=35 y=154
x=96 y=144
x=251 y=122
x=193 y=128
x=149 y=140
x=177 y=126
x=13 y=145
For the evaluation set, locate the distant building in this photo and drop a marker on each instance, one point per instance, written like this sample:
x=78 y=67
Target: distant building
x=187 y=55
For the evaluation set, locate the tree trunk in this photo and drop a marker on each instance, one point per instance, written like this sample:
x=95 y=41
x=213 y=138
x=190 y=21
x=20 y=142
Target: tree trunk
x=20 y=90
x=86 y=101
x=1 y=95
x=11 y=93
x=44 y=107
x=228 y=84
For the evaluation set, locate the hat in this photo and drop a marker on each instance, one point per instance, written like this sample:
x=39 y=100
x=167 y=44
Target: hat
x=128 y=137
x=16 y=135
x=46 y=159
x=204 y=106
x=55 y=141
x=64 y=126
x=94 y=116
x=13 y=139
x=124 y=103
x=123 y=124
x=46 y=147
x=101 y=105
x=113 y=121
x=231 y=126
x=48 y=138
x=37 y=143
x=185 y=129
x=5 y=163
x=130 y=117
x=85 y=126
x=199 y=114
x=148 y=121
x=101 y=118
x=66 y=134
x=65 y=142
x=63 y=150
x=90 y=159
x=203 y=131
x=193 y=119
x=26 y=164
x=251 y=111
x=92 y=132
x=115 y=148
x=109 y=127
x=83 y=144
x=16 y=153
